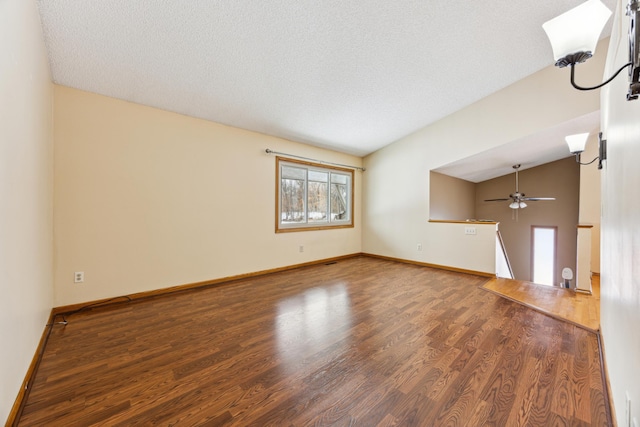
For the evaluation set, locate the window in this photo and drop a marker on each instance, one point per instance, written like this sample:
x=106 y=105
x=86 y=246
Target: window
x=311 y=196
x=543 y=254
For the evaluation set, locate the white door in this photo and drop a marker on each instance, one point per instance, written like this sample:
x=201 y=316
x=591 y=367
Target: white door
x=543 y=254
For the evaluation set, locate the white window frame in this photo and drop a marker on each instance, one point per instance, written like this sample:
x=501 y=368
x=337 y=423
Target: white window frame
x=306 y=225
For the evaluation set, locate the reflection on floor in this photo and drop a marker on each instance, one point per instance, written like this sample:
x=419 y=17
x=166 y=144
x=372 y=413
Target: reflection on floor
x=565 y=304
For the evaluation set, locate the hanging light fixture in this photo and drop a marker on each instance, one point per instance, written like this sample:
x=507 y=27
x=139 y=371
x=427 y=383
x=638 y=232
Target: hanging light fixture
x=518 y=205
x=574 y=36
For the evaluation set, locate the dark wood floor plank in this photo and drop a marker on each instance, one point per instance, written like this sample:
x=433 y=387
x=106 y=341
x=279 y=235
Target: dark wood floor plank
x=500 y=388
x=581 y=380
x=563 y=401
x=521 y=409
x=362 y=342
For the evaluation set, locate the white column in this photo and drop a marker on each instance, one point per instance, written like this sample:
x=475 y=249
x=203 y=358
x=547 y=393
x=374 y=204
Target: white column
x=583 y=262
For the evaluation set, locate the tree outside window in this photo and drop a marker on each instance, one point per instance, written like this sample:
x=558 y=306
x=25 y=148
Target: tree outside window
x=312 y=196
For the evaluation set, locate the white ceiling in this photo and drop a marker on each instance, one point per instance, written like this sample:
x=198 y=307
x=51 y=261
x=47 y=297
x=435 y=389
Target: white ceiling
x=543 y=147
x=352 y=76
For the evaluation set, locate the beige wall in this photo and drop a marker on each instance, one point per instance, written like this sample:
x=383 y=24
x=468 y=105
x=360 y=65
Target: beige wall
x=451 y=198
x=541 y=181
x=396 y=189
x=147 y=199
x=590 y=198
x=26 y=193
x=620 y=263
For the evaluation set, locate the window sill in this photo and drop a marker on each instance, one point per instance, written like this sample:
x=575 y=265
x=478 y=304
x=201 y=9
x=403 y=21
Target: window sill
x=312 y=228
x=469 y=221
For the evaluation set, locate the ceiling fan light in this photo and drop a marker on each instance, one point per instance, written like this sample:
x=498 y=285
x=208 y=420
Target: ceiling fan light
x=577 y=30
x=577 y=142
x=514 y=205
x=523 y=205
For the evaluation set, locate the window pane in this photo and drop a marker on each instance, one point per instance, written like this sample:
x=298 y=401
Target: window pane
x=318 y=176
x=292 y=201
x=339 y=206
x=312 y=196
x=293 y=173
x=317 y=201
x=337 y=178
x=544 y=254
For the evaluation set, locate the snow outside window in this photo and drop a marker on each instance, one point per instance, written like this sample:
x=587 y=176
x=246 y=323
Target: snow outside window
x=312 y=196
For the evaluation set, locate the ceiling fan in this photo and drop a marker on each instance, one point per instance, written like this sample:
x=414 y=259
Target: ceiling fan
x=518 y=199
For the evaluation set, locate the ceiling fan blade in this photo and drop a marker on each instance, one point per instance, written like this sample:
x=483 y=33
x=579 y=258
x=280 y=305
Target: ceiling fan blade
x=496 y=200
x=535 y=199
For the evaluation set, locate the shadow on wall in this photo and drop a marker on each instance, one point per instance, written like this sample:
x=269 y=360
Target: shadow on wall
x=457 y=199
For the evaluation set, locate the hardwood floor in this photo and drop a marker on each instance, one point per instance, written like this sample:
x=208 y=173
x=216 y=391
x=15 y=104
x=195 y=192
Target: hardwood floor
x=565 y=304
x=362 y=342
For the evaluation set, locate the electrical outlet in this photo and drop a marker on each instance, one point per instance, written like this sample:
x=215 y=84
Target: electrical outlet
x=78 y=277
x=420 y=246
x=471 y=231
x=301 y=248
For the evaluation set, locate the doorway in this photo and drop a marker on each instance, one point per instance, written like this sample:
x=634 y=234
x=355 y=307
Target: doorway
x=544 y=241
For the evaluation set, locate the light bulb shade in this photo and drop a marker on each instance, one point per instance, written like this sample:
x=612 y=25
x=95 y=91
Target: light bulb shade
x=518 y=205
x=577 y=142
x=577 y=30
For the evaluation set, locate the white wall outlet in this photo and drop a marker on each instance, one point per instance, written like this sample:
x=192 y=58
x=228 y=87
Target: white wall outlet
x=420 y=246
x=301 y=248
x=78 y=277
x=471 y=231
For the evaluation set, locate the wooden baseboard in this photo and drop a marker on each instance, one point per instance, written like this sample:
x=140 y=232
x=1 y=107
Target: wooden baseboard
x=189 y=286
x=14 y=415
x=425 y=264
x=605 y=380
x=23 y=393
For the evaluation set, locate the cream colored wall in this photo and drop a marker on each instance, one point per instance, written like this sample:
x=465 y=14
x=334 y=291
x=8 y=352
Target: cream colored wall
x=590 y=198
x=147 y=199
x=396 y=189
x=26 y=193
x=620 y=263
x=451 y=198
x=453 y=240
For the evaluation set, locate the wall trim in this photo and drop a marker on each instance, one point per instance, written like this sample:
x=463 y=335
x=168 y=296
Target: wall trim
x=605 y=379
x=23 y=393
x=189 y=286
x=425 y=264
x=21 y=398
x=56 y=311
x=452 y=221
x=25 y=388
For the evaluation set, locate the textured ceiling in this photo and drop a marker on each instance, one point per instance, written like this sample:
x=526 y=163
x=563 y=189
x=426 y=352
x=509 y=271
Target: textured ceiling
x=352 y=76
